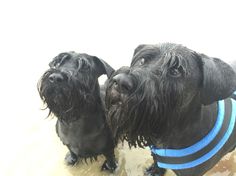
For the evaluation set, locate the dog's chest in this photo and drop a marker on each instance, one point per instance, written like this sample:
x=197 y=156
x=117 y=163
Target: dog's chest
x=81 y=137
x=70 y=134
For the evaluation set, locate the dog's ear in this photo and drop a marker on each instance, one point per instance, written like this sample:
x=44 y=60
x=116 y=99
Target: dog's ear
x=219 y=80
x=102 y=67
x=140 y=47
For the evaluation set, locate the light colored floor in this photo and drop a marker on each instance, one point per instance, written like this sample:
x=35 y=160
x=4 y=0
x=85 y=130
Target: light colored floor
x=32 y=148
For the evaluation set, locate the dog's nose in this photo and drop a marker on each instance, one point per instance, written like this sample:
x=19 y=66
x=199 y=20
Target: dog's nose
x=124 y=82
x=55 y=78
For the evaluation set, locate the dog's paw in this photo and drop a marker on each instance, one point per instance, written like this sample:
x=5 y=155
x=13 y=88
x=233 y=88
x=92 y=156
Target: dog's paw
x=109 y=166
x=153 y=170
x=71 y=159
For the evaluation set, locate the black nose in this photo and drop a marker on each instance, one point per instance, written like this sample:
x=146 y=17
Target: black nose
x=55 y=78
x=124 y=82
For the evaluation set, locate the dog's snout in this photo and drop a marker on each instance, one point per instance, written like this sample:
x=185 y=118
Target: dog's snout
x=124 y=82
x=55 y=78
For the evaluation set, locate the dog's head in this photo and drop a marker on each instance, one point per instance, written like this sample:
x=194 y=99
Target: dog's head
x=71 y=83
x=149 y=98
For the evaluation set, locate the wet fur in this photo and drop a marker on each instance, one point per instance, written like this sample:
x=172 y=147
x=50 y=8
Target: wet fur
x=76 y=102
x=166 y=110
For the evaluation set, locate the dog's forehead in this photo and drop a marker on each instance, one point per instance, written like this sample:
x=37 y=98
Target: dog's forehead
x=83 y=56
x=63 y=55
x=175 y=49
x=159 y=51
x=69 y=58
x=148 y=49
x=73 y=55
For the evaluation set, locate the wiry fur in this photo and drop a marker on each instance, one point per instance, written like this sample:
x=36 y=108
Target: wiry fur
x=167 y=98
x=152 y=98
x=71 y=92
x=66 y=101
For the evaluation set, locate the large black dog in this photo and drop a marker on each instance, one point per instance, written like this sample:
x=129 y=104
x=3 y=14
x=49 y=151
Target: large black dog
x=72 y=93
x=179 y=103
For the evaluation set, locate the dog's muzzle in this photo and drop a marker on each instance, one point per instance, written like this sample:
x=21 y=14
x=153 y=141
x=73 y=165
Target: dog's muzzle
x=56 y=78
x=121 y=86
x=123 y=83
x=53 y=85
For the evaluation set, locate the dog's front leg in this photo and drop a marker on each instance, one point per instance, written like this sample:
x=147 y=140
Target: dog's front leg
x=110 y=162
x=154 y=170
x=71 y=158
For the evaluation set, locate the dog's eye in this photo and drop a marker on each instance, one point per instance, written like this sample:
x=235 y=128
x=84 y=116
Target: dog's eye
x=141 y=61
x=57 y=64
x=174 y=72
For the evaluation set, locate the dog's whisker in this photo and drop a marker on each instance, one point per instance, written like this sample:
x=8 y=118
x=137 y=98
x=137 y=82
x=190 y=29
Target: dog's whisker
x=73 y=96
x=169 y=98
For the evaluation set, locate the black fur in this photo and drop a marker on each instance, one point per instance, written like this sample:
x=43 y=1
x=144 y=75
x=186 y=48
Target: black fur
x=71 y=91
x=167 y=98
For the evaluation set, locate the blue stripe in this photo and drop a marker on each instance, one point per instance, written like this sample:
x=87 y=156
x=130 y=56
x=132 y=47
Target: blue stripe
x=199 y=145
x=212 y=152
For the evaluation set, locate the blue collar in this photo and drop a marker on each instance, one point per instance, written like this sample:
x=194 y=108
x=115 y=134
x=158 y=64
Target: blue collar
x=207 y=147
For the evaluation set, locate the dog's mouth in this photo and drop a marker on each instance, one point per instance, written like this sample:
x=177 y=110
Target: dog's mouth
x=122 y=105
x=55 y=91
x=133 y=109
x=55 y=95
x=115 y=95
x=120 y=87
x=64 y=95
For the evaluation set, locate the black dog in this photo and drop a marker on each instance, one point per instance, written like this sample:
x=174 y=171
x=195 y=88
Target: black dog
x=168 y=99
x=71 y=91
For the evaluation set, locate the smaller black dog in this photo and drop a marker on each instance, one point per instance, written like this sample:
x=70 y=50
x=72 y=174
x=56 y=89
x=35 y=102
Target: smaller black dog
x=71 y=91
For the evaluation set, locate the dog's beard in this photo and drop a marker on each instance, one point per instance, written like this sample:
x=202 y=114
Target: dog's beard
x=146 y=115
x=65 y=100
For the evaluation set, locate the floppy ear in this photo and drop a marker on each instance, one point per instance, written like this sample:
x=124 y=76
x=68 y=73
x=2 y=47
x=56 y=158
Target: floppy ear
x=219 y=80
x=102 y=67
x=140 y=47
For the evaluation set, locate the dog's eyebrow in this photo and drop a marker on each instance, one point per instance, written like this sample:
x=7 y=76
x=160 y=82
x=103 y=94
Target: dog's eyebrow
x=58 y=60
x=82 y=61
x=66 y=56
x=62 y=58
x=148 y=54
